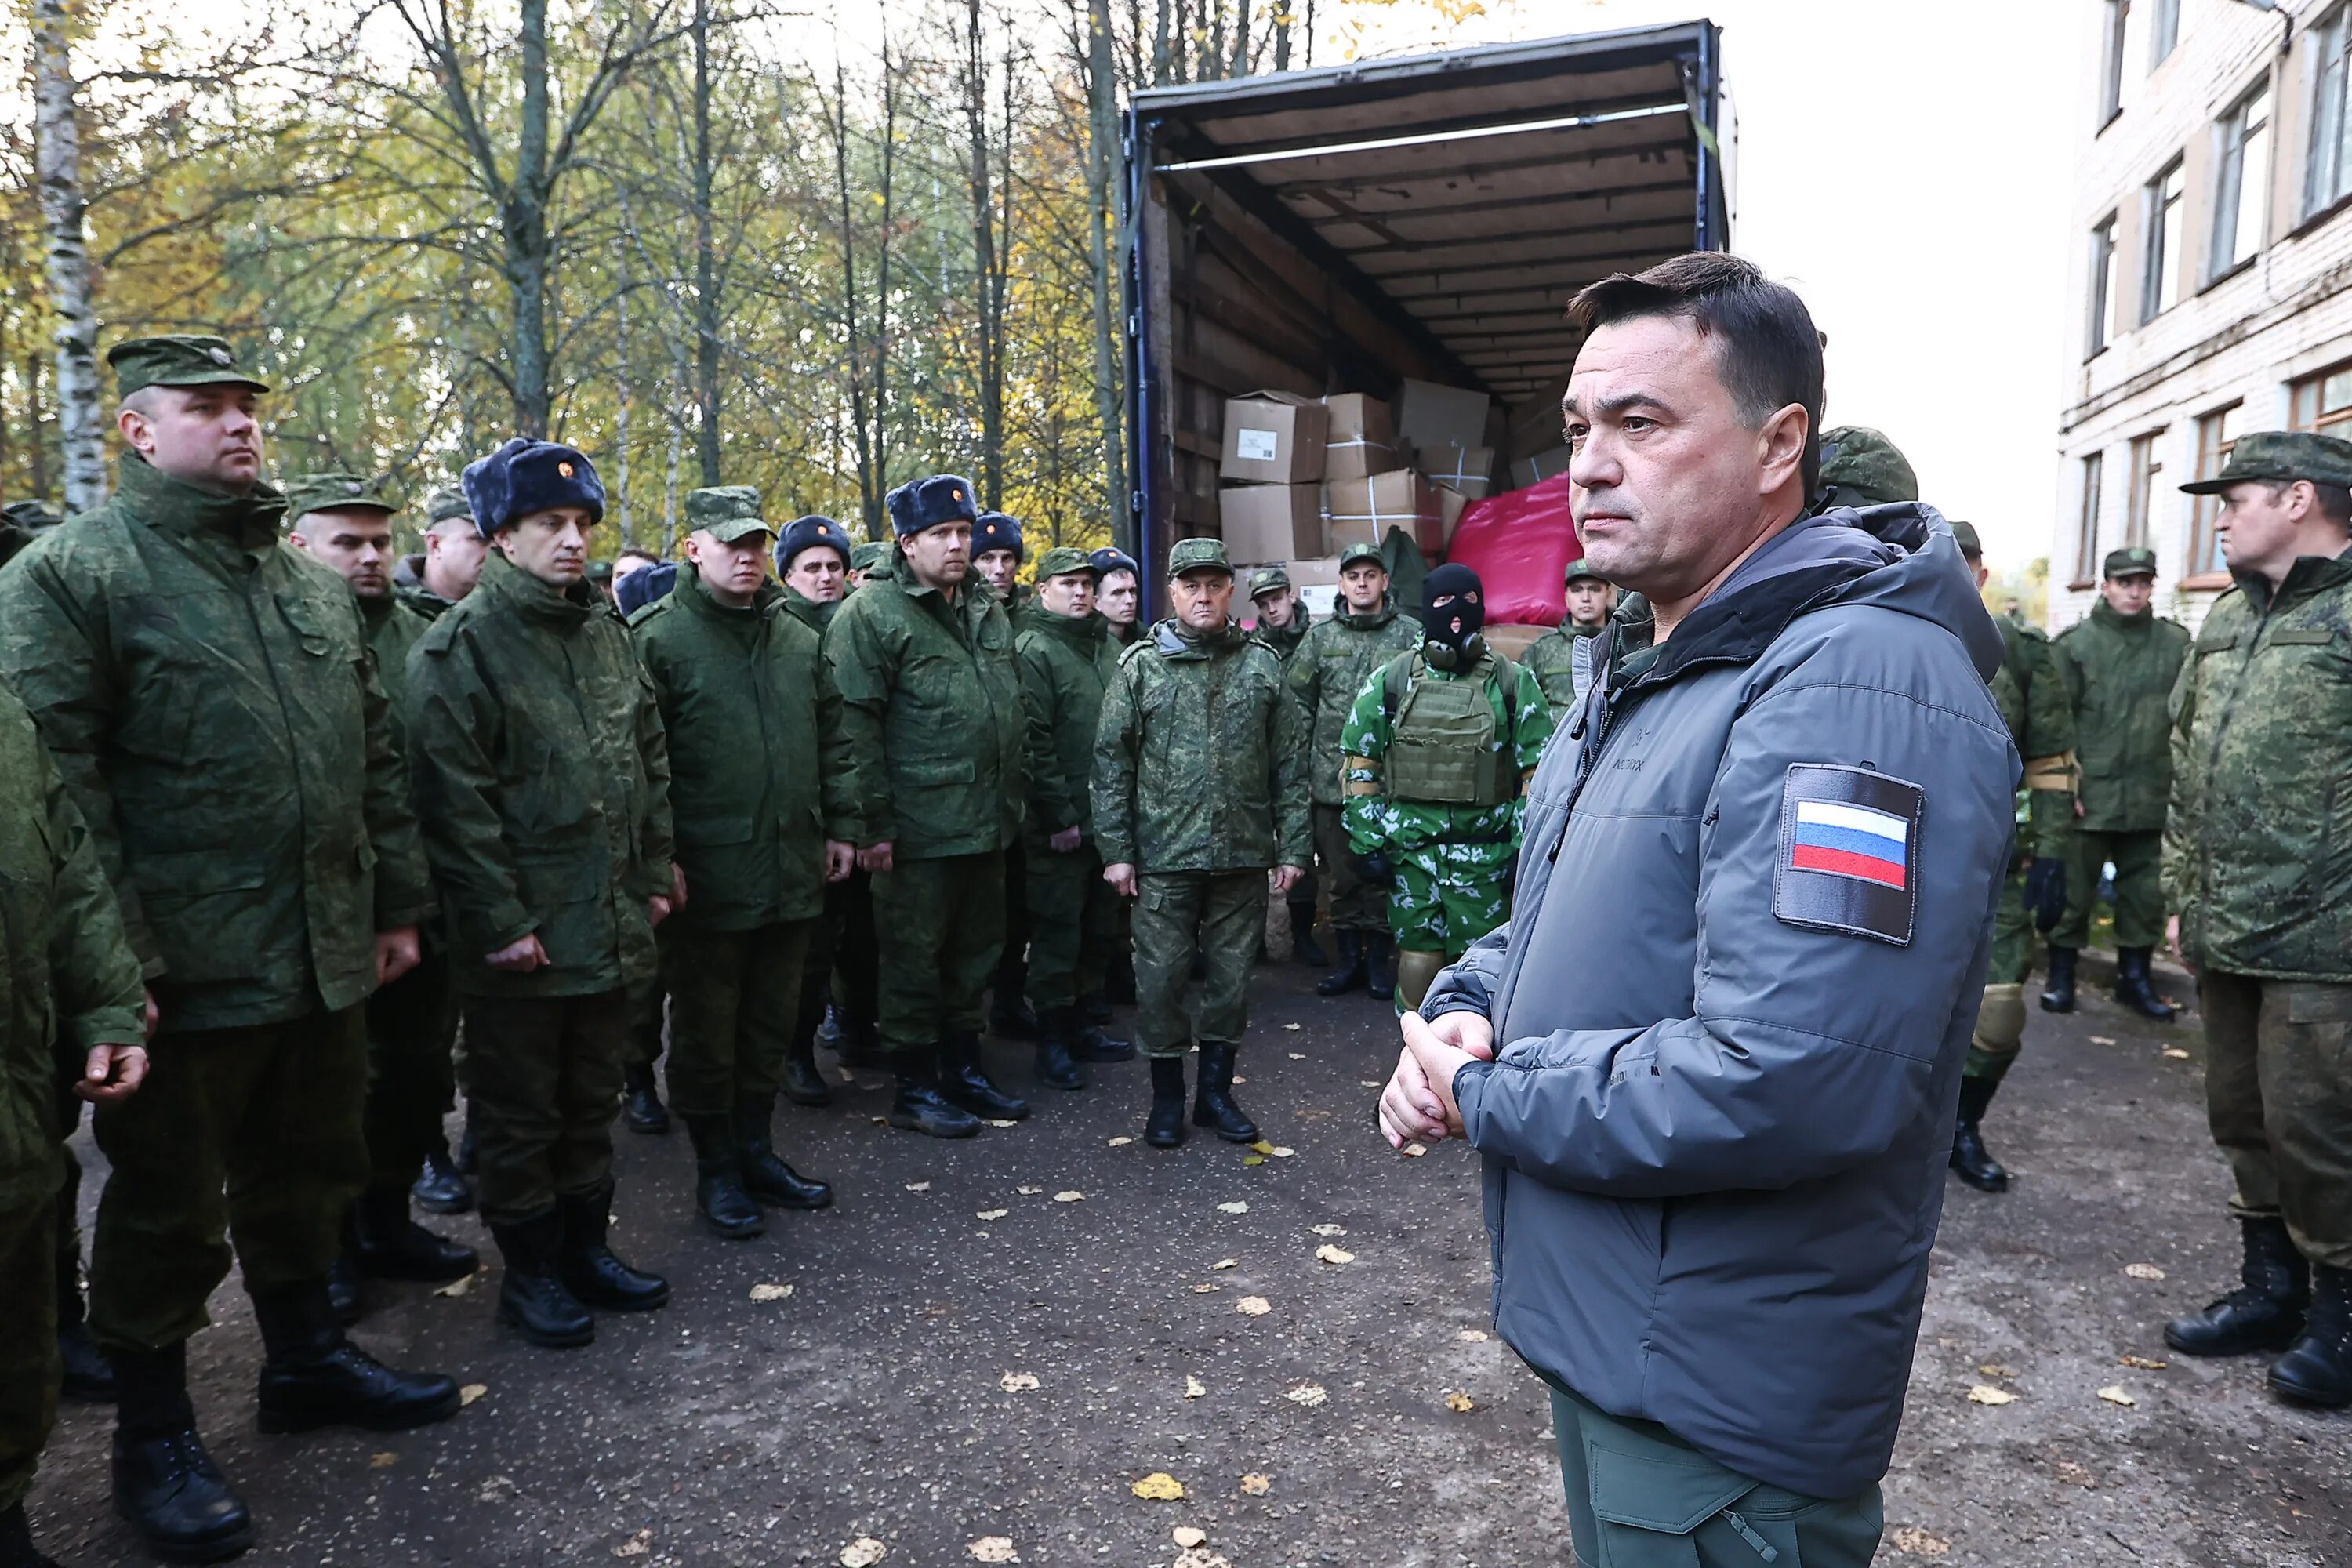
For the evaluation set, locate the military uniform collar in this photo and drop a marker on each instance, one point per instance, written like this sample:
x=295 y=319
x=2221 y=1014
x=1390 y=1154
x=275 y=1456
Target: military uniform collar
x=2308 y=575
x=902 y=571
x=533 y=599
x=2106 y=615
x=378 y=608
x=1175 y=640
x=1371 y=621
x=691 y=589
x=1076 y=630
x=249 y=521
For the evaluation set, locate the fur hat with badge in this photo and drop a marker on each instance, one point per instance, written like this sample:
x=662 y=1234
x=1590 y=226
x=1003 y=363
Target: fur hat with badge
x=919 y=504
x=523 y=476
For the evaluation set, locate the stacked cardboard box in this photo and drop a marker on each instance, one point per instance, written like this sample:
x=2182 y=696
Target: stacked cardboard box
x=1275 y=444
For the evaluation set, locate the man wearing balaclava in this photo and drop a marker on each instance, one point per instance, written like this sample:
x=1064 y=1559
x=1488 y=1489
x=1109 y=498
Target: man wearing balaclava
x=1434 y=760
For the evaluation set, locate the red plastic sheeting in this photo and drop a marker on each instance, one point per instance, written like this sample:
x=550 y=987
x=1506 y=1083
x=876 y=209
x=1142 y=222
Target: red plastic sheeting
x=1519 y=544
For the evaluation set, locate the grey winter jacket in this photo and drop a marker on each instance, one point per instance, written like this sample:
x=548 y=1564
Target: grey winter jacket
x=1716 y=1127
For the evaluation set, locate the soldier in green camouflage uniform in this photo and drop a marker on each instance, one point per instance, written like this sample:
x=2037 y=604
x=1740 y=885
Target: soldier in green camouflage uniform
x=997 y=554
x=1282 y=621
x=932 y=696
x=71 y=1013
x=1437 y=756
x=1552 y=658
x=2119 y=665
x=1198 y=791
x=868 y=558
x=1118 y=600
x=764 y=806
x=1326 y=673
x=2257 y=874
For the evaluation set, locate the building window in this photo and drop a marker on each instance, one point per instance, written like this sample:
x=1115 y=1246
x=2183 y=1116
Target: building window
x=2241 y=186
x=2324 y=402
x=2216 y=433
x=2102 y=284
x=2087 y=521
x=2329 y=174
x=2165 y=32
x=2118 y=82
x=2145 y=467
x=2159 y=284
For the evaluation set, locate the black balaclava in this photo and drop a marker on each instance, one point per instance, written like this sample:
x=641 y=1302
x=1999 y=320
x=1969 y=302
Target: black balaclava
x=1449 y=632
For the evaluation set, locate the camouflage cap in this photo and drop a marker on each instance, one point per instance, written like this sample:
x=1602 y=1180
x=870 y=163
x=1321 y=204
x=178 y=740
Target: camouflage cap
x=1268 y=580
x=726 y=513
x=872 y=554
x=2281 y=454
x=1860 y=466
x=2131 y=561
x=1062 y=562
x=307 y=493
x=1965 y=535
x=446 y=506
x=178 y=360
x=1355 y=553
x=1198 y=555
x=1580 y=570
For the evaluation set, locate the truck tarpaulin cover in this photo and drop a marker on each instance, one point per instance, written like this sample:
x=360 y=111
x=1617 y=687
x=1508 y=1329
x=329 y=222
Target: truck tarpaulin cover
x=1519 y=544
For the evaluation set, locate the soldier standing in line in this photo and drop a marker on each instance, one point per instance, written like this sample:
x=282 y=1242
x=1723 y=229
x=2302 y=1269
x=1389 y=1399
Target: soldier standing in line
x=853 y=1032
x=764 y=806
x=866 y=559
x=1198 y=792
x=1561 y=659
x=1327 y=674
x=1436 y=760
x=2256 y=871
x=1282 y=622
x=266 y=894
x=2119 y=665
x=542 y=781
x=1066 y=661
x=1120 y=595
x=642 y=1109
x=931 y=697
x=997 y=553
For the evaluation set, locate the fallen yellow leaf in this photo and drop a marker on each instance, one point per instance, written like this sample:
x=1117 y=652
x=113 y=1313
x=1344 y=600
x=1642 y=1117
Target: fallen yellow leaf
x=1282 y=1152
x=636 y=1545
x=2114 y=1394
x=456 y=1287
x=2174 y=1053
x=1258 y=1486
x=771 y=1292
x=384 y=1461
x=1412 y=1150
x=1017 y=1381
x=2103 y=1039
x=1369 y=1083
x=1263 y=1147
x=1253 y=1159
x=918 y=1186
x=1473 y=1335
x=863 y=1553
x=1206 y=1289
x=1225 y=1263
x=1238 y=1079
x=1121 y=1142
x=1254 y=1306
x=1330 y=1253
x=1158 y=1487
x=1188 y=1536
x=1986 y=1394
x=2141 y=1361
x=1311 y=1395
x=993 y=1213
x=1193 y=1387
x=1918 y=1543
x=1070 y=1196
x=2143 y=1271
x=1236 y=1207
x=1326 y=1230
x=1459 y=1401
x=993 y=1549
x=1994 y=1369
x=471 y=1392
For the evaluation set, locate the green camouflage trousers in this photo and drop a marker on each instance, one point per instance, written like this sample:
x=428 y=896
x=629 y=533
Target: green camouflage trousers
x=28 y=1350
x=733 y=998
x=1447 y=896
x=1355 y=904
x=543 y=1083
x=252 y=1132
x=411 y=1024
x=1219 y=914
x=1073 y=924
x=945 y=920
x=2278 y=1096
x=2001 y=1016
x=2139 y=888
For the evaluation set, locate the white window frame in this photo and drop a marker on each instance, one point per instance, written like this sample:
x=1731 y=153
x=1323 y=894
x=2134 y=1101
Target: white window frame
x=2242 y=207
x=2328 y=163
x=2164 y=223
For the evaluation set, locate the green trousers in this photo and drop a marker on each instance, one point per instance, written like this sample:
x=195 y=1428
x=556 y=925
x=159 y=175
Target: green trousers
x=1355 y=905
x=733 y=996
x=648 y=1015
x=412 y=1024
x=28 y=1350
x=1073 y=924
x=1447 y=896
x=945 y=918
x=2278 y=1096
x=254 y=1133
x=2139 y=888
x=543 y=1080
x=841 y=948
x=1640 y=1497
x=1220 y=915
x=2000 y=1014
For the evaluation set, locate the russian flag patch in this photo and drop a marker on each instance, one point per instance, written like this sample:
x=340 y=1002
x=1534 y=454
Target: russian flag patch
x=1849 y=852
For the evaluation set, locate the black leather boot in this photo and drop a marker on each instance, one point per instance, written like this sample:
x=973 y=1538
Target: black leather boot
x=1351 y=974
x=1380 y=966
x=16 y=1548
x=2318 y=1368
x=312 y=1376
x=1164 y=1128
x=1304 y=948
x=1213 y=1097
x=767 y=1178
x=393 y=1247
x=1056 y=1066
x=533 y=1299
x=165 y=1485
x=1094 y=1045
x=642 y=1109
x=441 y=1187
x=2132 y=988
x=587 y=1266
x=1094 y=1009
x=1010 y=1017
x=919 y=1106
x=961 y=1080
x=2058 y=996
x=830 y=1034
x=89 y=1376
x=720 y=1202
x=1970 y=1160
x=801 y=1082
x=343 y=1273
x=2264 y=1312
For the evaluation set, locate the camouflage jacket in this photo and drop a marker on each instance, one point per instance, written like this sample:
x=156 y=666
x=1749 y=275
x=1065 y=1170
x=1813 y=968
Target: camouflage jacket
x=1284 y=641
x=1199 y=758
x=1333 y=661
x=808 y=612
x=931 y=697
x=2046 y=741
x=542 y=780
x=1551 y=659
x=2257 y=861
x=72 y=981
x=208 y=694
x=392 y=629
x=1376 y=822
x=1066 y=665
x=2119 y=674
x=425 y=602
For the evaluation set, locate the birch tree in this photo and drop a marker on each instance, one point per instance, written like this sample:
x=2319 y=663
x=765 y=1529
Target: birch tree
x=57 y=141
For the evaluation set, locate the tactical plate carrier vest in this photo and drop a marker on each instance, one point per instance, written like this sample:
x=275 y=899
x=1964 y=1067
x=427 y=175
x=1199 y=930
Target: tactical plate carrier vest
x=1444 y=746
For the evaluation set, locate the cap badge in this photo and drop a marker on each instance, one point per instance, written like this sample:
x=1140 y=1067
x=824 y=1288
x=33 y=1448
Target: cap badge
x=220 y=356
x=565 y=470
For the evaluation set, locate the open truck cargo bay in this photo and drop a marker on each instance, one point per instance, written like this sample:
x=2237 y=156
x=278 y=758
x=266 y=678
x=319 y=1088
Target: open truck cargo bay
x=1343 y=229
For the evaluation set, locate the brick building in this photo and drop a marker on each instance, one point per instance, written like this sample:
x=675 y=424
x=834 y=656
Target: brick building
x=2213 y=225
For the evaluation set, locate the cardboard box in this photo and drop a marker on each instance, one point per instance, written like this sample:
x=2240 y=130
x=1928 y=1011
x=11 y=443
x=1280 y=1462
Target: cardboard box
x=1535 y=470
x=1323 y=572
x=1450 y=505
x=1360 y=439
x=1470 y=469
x=1429 y=414
x=1512 y=642
x=1274 y=438
x=1265 y=524
x=1363 y=510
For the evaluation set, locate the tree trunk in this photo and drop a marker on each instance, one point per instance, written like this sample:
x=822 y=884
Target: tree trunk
x=58 y=156
x=1160 y=43
x=991 y=323
x=524 y=226
x=1102 y=125
x=705 y=261
x=1281 y=35
x=36 y=444
x=623 y=396
x=1310 y=30
x=1241 y=39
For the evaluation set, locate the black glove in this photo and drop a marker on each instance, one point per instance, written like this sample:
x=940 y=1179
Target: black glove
x=1374 y=869
x=2046 y=892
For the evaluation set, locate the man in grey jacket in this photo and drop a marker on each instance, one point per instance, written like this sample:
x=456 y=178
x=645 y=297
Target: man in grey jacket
x=1716 y=1123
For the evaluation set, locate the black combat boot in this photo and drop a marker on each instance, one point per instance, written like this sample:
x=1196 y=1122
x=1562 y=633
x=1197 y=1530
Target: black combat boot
x=1055 y=1066
x=2058 y=996
x=16 y=1548
x=1380 y=966
x=1351 y=974
x=1010 y=1017
x=89 y=1376
x=720 y=1201
x=767 y=1178
x=393 y=1247
x=1213 y=1100
x=312 y=1376
x=1970 y=1160
x=589 y=1270
x=1304 y=948
x=1094 y=1045
x=642 y=1109
x=2133 y=989
x=533 y=1299
x=1164 y=1128
x=963 y=1082
x=830 y=1034
x=2318 y=1368
x=1094 y=1008
x=2264 y=1312
x=441 y=1187
x=802 y=1083
x=164 y=1483
x=919 y=1106
x=343 y=1273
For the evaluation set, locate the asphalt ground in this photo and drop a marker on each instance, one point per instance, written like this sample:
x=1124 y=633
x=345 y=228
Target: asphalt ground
x=986 y=1345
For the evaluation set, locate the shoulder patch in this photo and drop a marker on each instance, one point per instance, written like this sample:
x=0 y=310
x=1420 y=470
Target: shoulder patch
x=1849 y=852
